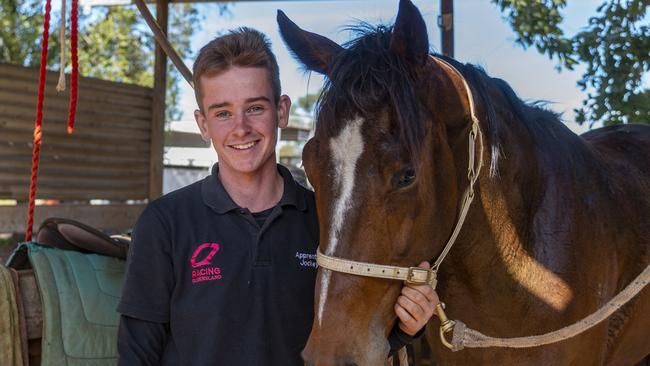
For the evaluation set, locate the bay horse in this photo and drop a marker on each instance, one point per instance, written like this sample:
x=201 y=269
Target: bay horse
x=560 y=223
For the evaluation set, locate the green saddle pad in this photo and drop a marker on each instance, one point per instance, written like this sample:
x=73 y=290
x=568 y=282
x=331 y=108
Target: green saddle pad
x=80 y=293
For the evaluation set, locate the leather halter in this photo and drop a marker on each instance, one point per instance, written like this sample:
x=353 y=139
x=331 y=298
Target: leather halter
x=417 y=275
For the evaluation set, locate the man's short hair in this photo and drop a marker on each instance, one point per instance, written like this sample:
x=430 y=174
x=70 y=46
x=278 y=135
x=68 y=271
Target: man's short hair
x=242 y=47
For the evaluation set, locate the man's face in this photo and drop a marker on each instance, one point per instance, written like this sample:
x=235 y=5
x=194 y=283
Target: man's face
x=241 y=118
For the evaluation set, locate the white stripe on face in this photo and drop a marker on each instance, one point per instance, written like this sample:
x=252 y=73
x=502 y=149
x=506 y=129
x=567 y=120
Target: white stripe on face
x=346 y=149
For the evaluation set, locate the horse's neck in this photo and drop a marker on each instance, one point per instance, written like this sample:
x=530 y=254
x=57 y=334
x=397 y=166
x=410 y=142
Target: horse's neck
x=522 y=227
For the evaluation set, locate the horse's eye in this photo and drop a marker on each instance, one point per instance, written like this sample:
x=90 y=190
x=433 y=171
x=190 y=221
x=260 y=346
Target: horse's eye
x=404 y=178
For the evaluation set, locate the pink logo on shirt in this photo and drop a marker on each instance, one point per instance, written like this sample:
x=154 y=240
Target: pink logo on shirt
x=207 y=273
x=208 y=259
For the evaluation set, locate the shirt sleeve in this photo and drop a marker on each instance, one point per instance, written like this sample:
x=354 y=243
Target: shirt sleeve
x=149 y=278
x=140 y=342
x=398 y=338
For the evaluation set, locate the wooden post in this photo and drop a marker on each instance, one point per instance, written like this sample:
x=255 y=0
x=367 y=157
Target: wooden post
x=446 y=24
x=158 y=115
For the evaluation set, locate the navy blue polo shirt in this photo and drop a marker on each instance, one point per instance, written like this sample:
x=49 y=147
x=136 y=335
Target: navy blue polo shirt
x=231 y=292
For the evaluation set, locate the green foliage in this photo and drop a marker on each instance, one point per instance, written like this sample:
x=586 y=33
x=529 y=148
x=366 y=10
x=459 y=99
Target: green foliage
x=305 y=105
x=114 y=42
x=120 y=47
x=21 y=27
x=614 y=46
x=114 y=48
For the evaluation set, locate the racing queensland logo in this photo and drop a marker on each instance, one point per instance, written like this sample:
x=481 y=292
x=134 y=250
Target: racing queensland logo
x=202 y=268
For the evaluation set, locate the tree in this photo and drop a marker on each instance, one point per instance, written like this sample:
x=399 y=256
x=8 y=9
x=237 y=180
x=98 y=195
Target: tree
x=21 y=25
x=120 y=47
x=305 y=105
x=614 y=46
x=115 y=48
x=114 y=42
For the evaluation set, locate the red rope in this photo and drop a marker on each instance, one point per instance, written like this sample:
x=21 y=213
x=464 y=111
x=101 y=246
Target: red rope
x=38 y=123
x=74 y=78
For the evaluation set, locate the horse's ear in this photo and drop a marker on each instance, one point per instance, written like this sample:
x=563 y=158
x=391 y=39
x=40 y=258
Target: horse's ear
x=410 y=39
x=314 y=51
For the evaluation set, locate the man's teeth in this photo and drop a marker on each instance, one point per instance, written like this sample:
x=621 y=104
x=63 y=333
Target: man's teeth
x=244 y=146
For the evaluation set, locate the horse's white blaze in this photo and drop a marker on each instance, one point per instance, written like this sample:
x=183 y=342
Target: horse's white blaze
x=324 y=286
x=346 y=149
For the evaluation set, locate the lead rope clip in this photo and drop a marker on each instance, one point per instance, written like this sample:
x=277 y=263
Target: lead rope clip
x=446 y=325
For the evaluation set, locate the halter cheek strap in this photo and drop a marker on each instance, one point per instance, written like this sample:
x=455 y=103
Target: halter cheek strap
x=418 y=275
x=462 y=335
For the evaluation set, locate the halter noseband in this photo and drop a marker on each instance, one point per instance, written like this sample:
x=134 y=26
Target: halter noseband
x=417 y=275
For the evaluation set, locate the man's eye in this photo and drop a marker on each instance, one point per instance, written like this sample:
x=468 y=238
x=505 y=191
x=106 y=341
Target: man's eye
x=223 y=115
x=256 y=109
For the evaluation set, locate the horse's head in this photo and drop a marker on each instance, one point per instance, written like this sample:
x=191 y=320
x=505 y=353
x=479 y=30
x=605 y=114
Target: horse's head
x=387 y=162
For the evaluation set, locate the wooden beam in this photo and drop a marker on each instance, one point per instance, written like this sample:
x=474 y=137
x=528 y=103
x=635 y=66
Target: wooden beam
x=184 y=139
x=158 y=117
x=162 y=41
x=294 y=134
x=114 y=217
x=446 y=24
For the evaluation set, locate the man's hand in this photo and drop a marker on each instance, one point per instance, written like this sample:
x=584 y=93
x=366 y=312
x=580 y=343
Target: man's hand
x=416 y=305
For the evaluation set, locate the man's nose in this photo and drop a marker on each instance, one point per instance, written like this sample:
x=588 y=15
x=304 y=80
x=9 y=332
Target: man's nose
x=242 y=124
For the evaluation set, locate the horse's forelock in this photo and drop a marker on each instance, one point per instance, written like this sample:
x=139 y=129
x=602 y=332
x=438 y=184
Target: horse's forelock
x=366 y=78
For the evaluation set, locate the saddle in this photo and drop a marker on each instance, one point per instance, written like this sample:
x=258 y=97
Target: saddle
x=75 y=275
x=73 y=235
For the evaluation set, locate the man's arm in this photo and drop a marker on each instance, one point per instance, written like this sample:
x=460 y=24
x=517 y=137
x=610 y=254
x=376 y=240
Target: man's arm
x=144 y=331
x=140 y=342
x=398 y=339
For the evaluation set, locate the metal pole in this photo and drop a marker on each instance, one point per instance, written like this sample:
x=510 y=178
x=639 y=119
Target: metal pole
x=446 y=24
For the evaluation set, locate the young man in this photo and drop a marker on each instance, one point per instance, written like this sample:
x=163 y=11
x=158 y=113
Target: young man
x=217 y=272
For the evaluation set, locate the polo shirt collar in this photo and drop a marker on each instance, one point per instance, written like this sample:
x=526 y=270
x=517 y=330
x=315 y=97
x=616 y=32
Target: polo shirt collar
x=216 y=197
x=292 y=195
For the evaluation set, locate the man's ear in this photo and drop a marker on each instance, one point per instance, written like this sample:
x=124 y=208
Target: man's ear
x=315 y=52
x=284 y=108
x=199 y=117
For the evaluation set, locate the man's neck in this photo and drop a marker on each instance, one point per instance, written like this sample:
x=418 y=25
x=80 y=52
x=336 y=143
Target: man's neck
x=257 y=192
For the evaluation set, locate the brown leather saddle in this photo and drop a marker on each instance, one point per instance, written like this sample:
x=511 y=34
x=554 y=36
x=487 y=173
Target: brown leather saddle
x=73 y=235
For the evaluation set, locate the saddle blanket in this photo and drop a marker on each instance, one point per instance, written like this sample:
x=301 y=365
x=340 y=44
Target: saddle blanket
x=79 y=293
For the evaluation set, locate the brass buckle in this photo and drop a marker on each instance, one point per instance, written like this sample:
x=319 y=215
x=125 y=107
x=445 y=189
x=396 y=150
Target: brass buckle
x=410 y=276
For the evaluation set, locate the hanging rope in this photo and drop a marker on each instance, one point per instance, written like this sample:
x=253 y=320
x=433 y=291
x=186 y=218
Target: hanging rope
x=60 y=86
x=38 y=123
x=74 y=78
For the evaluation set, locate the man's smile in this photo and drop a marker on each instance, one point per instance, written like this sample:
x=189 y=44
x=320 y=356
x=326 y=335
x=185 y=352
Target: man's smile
x=244 y=146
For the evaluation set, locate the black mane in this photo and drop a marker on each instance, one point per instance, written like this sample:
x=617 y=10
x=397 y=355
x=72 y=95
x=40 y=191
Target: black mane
x=368 y=76
x=369 y=66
